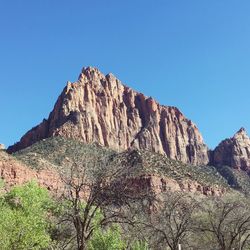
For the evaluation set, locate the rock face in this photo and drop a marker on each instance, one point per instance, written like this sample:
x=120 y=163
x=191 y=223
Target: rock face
x=99 y=108
x=159 y=184
x=2 y=147
x=14 y=172
x=234 y=152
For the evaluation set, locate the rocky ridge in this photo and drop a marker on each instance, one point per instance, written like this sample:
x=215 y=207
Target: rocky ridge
x=141 y=170
x=233 y=152
x=99 y=108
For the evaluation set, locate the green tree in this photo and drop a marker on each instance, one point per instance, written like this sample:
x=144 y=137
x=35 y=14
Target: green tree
x=23 y=218
x=109 y=239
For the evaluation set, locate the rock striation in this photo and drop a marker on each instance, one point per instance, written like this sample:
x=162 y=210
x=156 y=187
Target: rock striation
x=99 y=108
x=234 y=152
x=160 y=184
x=14 y=172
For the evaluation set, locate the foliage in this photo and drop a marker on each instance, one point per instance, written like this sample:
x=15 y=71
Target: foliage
x=140 y=245
x=58 y=151
x=237 y=179
x=176 y=219
x=109 y=239
x=23 y=218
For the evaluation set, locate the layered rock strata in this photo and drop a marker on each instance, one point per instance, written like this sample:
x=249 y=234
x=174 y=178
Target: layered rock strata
x=99 y=108
x=13 y=172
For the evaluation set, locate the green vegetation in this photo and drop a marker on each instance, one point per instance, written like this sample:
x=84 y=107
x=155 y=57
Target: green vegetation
x=109 y=239
x=140 y=245
x=57 y=152
x=24 y=219
x=237 y=179
x=158 y=164
x=29 y=219
x=98 y=210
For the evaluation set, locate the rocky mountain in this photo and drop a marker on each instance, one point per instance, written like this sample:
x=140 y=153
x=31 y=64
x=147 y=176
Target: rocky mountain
x=99 y=116
x=234 y=152
x=99 y=108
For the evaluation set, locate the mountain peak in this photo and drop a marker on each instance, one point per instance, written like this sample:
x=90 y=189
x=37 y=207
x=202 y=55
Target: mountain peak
x=241 y=131
x=99 y=108
x=89 y=69
x=234 y=152
x=90 y=73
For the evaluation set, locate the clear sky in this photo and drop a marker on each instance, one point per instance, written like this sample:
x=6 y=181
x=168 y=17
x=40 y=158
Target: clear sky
x=193 y=54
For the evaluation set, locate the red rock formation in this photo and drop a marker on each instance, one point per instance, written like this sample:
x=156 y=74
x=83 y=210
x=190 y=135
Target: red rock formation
x=16 y=173
x=158 y=184
x=234 y=152
x=101 y=109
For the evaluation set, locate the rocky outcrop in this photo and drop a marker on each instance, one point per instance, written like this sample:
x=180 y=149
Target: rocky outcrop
x=2 y=147
x=161 y=184
x=14 y=172
x=99 y=108
x=234 y=152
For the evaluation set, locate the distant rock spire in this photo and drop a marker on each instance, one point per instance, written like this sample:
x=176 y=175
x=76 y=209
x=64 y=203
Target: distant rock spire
x=234 y=152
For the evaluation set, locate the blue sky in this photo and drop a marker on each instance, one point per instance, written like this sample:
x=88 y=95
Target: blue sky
x=191 y=54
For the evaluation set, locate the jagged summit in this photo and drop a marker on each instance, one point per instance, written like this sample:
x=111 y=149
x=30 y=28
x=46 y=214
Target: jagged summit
x=234 y=152
x=89 y=74
x=242 y=130
x=241 y=133
x=99 y=108
x=92 y=73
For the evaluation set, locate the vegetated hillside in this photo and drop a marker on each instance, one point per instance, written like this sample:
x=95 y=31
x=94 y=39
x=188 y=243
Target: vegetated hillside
x=236 y=178
x=57 y=152
x=149 y=214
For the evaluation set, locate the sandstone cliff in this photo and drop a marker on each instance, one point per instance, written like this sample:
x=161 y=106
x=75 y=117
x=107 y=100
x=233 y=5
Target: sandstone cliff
x=99 y=108
x=233 y=152
x=14 y=172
